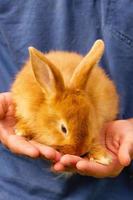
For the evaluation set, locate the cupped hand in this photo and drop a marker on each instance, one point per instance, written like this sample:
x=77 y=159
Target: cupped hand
x=15 y=143
x=118 y=139
x=86 y=167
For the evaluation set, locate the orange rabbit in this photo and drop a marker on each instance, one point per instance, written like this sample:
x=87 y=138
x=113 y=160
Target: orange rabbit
x=63 y=100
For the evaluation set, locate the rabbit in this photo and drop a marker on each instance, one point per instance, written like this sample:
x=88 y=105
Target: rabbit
x=63 y=100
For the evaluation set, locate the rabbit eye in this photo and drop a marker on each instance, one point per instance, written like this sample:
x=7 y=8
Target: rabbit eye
x=63 y=129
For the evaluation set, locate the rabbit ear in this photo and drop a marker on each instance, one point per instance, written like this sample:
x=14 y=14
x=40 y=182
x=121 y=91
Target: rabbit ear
x=46 y=74
x=83 y=70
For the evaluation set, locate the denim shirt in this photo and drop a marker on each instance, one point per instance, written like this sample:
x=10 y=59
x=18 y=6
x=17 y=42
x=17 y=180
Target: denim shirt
x=71 y=25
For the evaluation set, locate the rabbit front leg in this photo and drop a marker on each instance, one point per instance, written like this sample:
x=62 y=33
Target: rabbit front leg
x=21 y=129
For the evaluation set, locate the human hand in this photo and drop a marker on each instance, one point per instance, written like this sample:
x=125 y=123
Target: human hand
x=15 y=143
x=118 y=137
x=86 y=167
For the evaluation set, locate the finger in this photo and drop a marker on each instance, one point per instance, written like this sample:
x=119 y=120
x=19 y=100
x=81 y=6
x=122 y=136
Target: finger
x=7 y=110
x=58 y=167
x=5 y=133
x=7 y=97
x=69 y=160
x=111 y=143
x=125 y=153
x=2 y=108
x=67 y=163
x=5 y=101
x=91 y=168
x=18 y=144
x=113 y=146
x=48 y=152
x=10 y=111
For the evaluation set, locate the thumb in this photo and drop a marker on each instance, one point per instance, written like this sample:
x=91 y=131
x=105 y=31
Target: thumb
x=125 y=153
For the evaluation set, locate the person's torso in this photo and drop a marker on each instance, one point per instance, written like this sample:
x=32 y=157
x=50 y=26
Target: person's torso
x=73 y=26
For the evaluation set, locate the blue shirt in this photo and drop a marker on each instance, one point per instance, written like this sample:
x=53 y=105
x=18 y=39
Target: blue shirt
x=71 y=25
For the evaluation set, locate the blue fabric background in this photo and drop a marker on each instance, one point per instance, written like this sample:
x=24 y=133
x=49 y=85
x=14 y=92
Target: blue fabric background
x=71 y=25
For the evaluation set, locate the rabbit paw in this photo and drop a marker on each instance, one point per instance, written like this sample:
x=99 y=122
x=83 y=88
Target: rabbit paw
x=105 y=160
x=100 y=155
x=18 y=132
